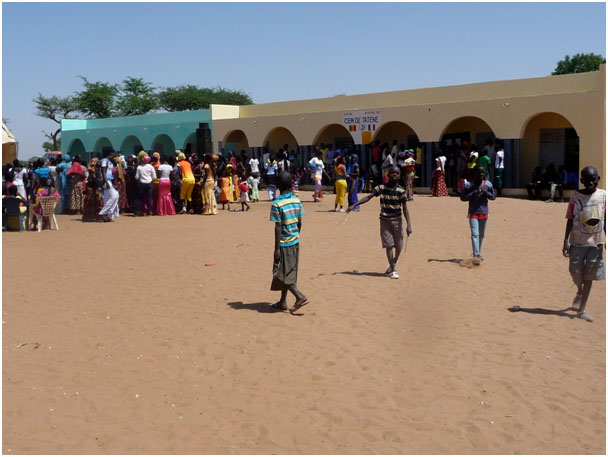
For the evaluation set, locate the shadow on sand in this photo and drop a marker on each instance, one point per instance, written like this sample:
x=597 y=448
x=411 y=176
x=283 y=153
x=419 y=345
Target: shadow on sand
x=260 y=307
x=360 y=273
x=446 y=260
x=553 y=312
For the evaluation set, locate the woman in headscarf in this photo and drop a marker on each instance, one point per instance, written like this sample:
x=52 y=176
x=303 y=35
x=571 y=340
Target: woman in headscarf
x=410 y=174
x=209 y=176
x=76 y=173
x=120 y=183
x=110 y=209
x=62 y=183
x=187 y=181
x=197 y=190
x=353 y=181
x=140 y=156
x=341 y=176
x=92 y=197
x=439 y=188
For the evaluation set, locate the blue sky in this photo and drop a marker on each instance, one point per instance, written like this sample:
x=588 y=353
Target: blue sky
x=280 y=51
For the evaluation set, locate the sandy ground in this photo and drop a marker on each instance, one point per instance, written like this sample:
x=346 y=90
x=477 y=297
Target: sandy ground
x=155 y=335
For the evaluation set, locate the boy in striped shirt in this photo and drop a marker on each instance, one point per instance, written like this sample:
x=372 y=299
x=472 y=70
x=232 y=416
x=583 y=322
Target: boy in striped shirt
x=393 y=203
x=286 y=212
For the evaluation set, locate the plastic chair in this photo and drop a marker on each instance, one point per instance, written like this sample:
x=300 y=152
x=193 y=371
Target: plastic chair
x=47 y=204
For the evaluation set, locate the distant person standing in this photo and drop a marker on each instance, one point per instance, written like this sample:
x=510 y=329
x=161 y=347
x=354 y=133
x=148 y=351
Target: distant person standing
x=585 y=238
x=439 y=188
x=317 y=168
x=499 y=168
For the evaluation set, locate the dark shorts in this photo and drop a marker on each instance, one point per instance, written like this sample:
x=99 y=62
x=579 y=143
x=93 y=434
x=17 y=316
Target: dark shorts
x=285 y=273
x=586 y=263
x=391 y=233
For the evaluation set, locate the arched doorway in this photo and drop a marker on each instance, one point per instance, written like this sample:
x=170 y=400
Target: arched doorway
x=163 y=144
x=476 y=132
x=397 y=131
x=548 y=138
x=190 y=144
x=469 y=128
x=77 y=147
x=102 y=145
x=277 y=138
x=236 y=141
x=334 y=136
x=131 y=145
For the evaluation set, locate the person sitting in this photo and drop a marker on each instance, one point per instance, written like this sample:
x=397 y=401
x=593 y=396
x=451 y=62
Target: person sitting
x=535 y=184
x=561 y=181
x=46 y=189
x=13 y=210
x=549 y=179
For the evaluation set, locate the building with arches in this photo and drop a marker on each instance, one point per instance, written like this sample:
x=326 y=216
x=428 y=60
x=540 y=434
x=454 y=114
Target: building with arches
x=558 y=119
x=161 y=132
x=553 y=119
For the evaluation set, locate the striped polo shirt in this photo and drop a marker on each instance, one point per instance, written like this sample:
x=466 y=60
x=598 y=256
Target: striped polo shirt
x=287 y=209
x=391 y=200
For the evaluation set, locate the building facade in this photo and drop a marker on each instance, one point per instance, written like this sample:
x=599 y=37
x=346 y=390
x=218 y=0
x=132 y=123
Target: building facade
x=553 y=119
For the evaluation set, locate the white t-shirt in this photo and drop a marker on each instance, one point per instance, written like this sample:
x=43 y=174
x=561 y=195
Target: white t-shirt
x=18 y=181
x=440 y=162
x=255 y=165
x=164 y=171
x=145 y=173
x=500 y=159
x=318 y=173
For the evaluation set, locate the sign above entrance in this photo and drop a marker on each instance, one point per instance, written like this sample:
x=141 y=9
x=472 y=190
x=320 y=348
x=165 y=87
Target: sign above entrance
x=362 y=124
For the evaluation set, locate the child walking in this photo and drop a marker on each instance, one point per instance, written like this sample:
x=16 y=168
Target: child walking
x=392 y=204
x=286 y=212
x=244 y=196
x=585 y=238
x=477 y=193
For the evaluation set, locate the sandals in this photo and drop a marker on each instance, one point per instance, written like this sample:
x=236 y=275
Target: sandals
x=298 y=305
x=585 y=316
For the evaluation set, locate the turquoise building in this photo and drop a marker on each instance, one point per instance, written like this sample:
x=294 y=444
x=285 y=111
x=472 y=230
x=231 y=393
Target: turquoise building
x=161 y=132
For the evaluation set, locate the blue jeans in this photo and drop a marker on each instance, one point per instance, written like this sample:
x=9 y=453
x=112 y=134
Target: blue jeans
x=478 y=228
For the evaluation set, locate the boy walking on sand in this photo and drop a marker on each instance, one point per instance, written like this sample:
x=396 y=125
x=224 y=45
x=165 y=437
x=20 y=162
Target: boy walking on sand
x=286 y=212
x=392 y=202
x=585 y=238
x=477 y=193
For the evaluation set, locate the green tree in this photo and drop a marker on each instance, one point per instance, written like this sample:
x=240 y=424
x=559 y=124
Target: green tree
x=55 y=108
x=136 y=97
x=98 y=99
x=579 y=63
x=190 y=97
x=47 y=146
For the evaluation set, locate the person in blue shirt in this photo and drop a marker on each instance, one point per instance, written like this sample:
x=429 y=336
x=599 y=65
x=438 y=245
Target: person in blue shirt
x=286 y=212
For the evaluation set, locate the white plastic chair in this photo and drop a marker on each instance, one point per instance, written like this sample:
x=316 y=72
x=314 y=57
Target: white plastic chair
x=47 y=204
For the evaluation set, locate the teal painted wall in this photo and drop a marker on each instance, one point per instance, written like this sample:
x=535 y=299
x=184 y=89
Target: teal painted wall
x=144 y=130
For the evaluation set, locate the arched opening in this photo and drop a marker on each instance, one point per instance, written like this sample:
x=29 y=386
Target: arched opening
x=334 y=136
x=131 y=145
x=77 y=147
x=102 y=145
x=236 y=141
x=279 y=138
x=190 y=144
x=399 y=132
x=476 y=132
x=163 y=144
x=549 y=138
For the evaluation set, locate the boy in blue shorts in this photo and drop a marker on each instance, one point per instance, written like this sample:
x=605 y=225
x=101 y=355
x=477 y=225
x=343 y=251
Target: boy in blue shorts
x=286 y=212
x=393 y=202
x=585 y=238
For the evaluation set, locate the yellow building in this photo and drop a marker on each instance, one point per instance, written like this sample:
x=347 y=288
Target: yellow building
x=553 y=119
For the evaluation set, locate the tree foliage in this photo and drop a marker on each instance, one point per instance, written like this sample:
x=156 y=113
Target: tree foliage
x=136 y=97
x=55 y=108
x=47 y=146
x=97 y=99
x=190 y=97
x=579 y=63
